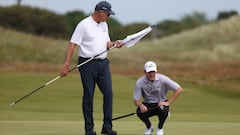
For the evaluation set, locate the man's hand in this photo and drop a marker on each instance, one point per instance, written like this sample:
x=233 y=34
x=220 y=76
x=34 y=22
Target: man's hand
x=143 y=108
x=64 y=70
x=118 y=43
x=165 y=103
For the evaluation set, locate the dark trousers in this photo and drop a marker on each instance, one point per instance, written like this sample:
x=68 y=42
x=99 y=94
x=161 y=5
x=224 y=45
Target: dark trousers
x=153 y=110
x=92 y=73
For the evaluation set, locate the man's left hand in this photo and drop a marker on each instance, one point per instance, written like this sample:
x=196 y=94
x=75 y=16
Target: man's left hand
x=118 y=43
x=166 y=103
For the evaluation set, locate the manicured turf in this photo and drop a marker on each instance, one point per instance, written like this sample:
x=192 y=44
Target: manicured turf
x=123 y=128
x=56 y=109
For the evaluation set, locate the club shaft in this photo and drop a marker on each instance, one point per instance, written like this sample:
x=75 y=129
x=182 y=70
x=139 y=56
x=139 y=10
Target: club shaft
x=130 y=114
x=47 y=83
x=120 y=117
x=14 y=103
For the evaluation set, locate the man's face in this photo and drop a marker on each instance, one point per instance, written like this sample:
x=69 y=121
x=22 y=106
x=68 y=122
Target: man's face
x=104 y=15
x=150 y=75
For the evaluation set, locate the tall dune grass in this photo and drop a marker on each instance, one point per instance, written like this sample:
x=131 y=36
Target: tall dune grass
x=219 y=41
x=27 y=48
x=202 y=55
x=214 y=42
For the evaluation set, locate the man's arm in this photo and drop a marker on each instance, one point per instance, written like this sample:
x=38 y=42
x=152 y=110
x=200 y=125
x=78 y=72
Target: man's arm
x=176 y=93
x=68 y=56
x=142 y=107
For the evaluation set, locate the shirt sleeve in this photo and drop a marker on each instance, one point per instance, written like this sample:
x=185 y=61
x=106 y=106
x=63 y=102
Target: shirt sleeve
x=170 y=84
x=78 y=34
x=137 y=95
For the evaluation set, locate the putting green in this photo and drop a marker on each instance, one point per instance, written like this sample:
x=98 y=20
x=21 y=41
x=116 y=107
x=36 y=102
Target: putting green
x=122 y=127
x=56 y=109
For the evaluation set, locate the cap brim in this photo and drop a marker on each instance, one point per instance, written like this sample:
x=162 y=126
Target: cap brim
x=111 y=12
x=151 y=70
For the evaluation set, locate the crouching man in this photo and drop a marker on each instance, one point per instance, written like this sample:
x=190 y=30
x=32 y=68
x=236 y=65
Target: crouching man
x=153 y=88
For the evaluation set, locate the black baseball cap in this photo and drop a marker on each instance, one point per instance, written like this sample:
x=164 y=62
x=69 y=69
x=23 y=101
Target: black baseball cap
x=104 y=5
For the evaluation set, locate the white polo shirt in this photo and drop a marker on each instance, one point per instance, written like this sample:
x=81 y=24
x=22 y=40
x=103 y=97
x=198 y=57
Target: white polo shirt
x=92 y=38
x=156 y=91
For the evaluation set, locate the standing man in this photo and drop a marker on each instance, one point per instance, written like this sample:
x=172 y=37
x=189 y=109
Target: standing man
x=92 y=37
x=153 y=88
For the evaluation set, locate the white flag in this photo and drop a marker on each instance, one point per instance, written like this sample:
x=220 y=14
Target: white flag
x=131 y=40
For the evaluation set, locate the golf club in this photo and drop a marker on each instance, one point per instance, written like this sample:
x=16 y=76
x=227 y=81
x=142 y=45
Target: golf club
x=123 y=116
x=129 y=41
x=130 y=114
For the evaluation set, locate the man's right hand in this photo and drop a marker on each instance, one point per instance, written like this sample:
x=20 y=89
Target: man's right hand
x=143 y=108
x=64 y=70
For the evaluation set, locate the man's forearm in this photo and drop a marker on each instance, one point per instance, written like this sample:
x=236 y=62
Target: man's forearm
x=69 y=53
x=138 y=103
x=175 y=95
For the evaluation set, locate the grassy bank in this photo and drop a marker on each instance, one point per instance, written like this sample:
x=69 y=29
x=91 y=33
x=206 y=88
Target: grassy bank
x=208 y=55
x=210 y=43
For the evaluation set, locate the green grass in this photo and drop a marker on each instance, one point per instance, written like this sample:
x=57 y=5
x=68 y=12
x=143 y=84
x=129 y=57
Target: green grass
x=205 y=61
x=56 y=109
x=123 y=128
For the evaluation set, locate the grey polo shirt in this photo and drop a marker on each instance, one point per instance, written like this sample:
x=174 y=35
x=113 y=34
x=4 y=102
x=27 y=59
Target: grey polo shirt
x=156 y=91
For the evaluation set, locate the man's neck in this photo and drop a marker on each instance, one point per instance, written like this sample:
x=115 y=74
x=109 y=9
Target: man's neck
x=95 y=17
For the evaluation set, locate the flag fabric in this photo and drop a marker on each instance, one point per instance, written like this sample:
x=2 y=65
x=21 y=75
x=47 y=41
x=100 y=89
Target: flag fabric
x=131 y=40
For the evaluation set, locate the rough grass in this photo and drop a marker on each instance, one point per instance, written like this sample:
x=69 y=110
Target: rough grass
x=18 y=47
x=215 y=42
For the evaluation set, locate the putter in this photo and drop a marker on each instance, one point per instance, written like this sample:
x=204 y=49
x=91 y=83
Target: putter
x=130 y=114
x=129 y=41
x=123 y=116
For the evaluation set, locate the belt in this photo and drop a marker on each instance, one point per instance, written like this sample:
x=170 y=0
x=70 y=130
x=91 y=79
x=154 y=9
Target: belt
x=99 y=59
x=96 y=59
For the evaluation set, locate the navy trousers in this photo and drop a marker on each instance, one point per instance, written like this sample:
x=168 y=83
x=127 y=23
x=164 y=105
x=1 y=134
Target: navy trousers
x=96 y=72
